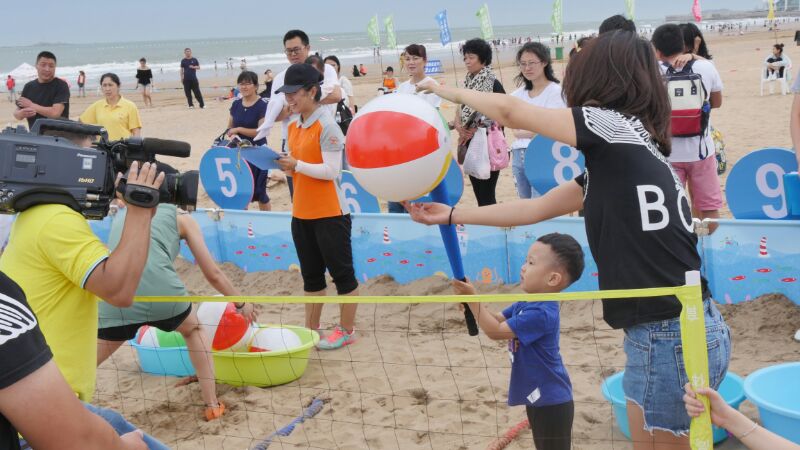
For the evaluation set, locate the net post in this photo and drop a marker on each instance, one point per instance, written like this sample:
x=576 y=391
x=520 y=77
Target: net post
x=695 y=355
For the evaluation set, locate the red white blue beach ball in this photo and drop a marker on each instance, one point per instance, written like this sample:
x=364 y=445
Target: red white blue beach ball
x=398 y=147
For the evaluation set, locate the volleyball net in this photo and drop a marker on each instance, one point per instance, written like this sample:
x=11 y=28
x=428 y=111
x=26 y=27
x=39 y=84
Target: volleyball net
x=413 y=378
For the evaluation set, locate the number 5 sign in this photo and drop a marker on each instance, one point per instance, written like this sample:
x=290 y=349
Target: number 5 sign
x=549 y=163
x=226 y=178
x=755 y=188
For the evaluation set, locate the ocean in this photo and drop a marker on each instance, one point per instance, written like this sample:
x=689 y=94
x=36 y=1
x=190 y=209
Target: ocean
x=261 y=52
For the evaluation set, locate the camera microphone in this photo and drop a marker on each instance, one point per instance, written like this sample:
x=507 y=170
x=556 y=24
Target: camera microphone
x=166 y=147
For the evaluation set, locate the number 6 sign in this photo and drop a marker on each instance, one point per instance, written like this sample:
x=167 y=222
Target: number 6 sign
x=755 y=188
x=226 y=178
x=549 y=163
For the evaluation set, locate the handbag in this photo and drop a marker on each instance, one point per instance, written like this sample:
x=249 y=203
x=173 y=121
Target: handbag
x=476 y=161
x=498 y=147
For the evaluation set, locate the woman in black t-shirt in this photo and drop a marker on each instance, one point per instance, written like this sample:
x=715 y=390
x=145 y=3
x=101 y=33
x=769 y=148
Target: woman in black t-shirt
x=638 y=220
x=144 y=78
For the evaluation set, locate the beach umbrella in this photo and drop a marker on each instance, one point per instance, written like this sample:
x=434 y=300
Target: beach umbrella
x=24 y=71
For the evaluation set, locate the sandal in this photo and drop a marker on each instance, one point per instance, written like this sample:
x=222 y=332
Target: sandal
x=215 y=412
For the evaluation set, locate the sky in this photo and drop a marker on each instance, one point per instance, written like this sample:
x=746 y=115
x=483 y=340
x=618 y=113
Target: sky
x=90 y=21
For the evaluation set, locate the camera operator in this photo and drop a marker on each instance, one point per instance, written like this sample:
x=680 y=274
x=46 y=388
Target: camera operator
x=34 y=398
x=63 y=268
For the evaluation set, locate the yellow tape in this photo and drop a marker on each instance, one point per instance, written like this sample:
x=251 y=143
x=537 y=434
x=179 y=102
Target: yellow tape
x=692 y=320
x=484 y=298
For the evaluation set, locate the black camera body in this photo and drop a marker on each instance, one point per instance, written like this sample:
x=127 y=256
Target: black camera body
x=44 y=166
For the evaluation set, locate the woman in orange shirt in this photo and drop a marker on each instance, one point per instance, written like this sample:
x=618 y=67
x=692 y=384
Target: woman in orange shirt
x=321 y=223
x=389 y=81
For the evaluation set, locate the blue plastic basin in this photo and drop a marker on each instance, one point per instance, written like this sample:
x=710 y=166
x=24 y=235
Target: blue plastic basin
x=775 y=390
x=173 y=361
x=731 y=390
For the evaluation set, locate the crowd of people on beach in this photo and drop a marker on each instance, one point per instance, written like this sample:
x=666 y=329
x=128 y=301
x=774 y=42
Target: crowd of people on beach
x=613 y=104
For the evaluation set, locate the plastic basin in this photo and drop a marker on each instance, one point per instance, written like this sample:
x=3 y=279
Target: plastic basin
x=731 y=390
x=266 y=368
x=775 y=390
x=172 y=361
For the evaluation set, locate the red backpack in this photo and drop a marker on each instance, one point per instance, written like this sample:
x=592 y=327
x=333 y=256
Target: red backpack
x=688 y=97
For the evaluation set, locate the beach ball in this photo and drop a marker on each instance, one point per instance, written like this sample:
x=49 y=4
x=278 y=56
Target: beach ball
x=224 y=327
x=398 y=147
x=148 y=336
x=274 y=340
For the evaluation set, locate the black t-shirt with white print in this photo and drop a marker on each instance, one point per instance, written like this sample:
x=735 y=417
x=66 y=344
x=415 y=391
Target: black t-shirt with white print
x=638 y=219
x=23 y=349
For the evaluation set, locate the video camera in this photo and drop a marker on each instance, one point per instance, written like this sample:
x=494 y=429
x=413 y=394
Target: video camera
x=46 y=166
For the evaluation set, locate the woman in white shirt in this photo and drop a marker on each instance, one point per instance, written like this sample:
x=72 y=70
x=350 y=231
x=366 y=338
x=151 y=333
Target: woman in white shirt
x=538 y=86
x=415 y=59
x=347 y=87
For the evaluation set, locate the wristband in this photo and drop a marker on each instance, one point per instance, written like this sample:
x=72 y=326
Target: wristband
x=239 y=306
x=450 y=219
x=755 y=426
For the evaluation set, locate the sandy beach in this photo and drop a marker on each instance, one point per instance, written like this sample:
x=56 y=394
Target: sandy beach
x=415 y=379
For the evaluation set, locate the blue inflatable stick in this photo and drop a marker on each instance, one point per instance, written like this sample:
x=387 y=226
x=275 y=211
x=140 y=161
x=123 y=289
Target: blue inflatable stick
x=450 y=239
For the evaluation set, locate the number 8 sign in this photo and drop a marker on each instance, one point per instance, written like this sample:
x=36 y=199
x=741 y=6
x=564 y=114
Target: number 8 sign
x=227 y=178
x=755 y=188
x=549 y=163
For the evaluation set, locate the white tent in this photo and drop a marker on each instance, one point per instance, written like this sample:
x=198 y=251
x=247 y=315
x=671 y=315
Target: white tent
x=24 y=71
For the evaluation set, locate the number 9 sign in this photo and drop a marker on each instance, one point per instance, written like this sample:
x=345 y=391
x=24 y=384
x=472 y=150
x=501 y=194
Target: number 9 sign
x=549 y=163
x=226 y=178
x=755 y=187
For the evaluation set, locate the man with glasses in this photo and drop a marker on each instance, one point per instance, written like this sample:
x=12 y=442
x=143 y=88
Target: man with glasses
x=189 y=68
x=46 y=96
x=296 y=46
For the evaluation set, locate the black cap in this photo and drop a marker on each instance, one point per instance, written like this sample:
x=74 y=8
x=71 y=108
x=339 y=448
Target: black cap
x=299 y=76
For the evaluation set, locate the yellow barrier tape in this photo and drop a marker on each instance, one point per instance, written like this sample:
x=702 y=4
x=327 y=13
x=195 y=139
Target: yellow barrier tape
x=692 y=320
x=483 y=298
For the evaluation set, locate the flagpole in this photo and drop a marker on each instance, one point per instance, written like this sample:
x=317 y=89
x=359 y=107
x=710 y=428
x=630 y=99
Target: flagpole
x=453 y=53
x=499 y=66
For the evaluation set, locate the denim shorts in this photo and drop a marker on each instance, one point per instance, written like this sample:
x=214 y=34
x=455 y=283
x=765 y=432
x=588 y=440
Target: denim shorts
x=654 y=370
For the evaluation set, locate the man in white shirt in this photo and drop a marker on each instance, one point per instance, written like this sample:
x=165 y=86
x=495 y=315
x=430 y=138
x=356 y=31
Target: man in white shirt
x=694 y=158
x=296 y=46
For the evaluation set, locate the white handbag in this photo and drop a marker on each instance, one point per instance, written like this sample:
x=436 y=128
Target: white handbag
x=476 y=162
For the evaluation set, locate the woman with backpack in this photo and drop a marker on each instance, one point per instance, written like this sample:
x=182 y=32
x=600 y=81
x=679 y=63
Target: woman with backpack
x=538 y=86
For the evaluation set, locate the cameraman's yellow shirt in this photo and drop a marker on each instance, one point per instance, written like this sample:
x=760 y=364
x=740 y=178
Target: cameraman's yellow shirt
x=118 y=120
x=51 y=253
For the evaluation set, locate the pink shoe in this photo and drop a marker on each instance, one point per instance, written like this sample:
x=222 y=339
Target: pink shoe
x=338 y=339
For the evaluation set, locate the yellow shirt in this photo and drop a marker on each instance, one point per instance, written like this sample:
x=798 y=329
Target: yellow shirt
x=118 y=120
x=51 y=253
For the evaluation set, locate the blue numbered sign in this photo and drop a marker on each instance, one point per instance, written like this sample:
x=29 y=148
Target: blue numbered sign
x=549 y=163
x=226 y=178
x=356 y=197
x=755 y=188
x=454 y=179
